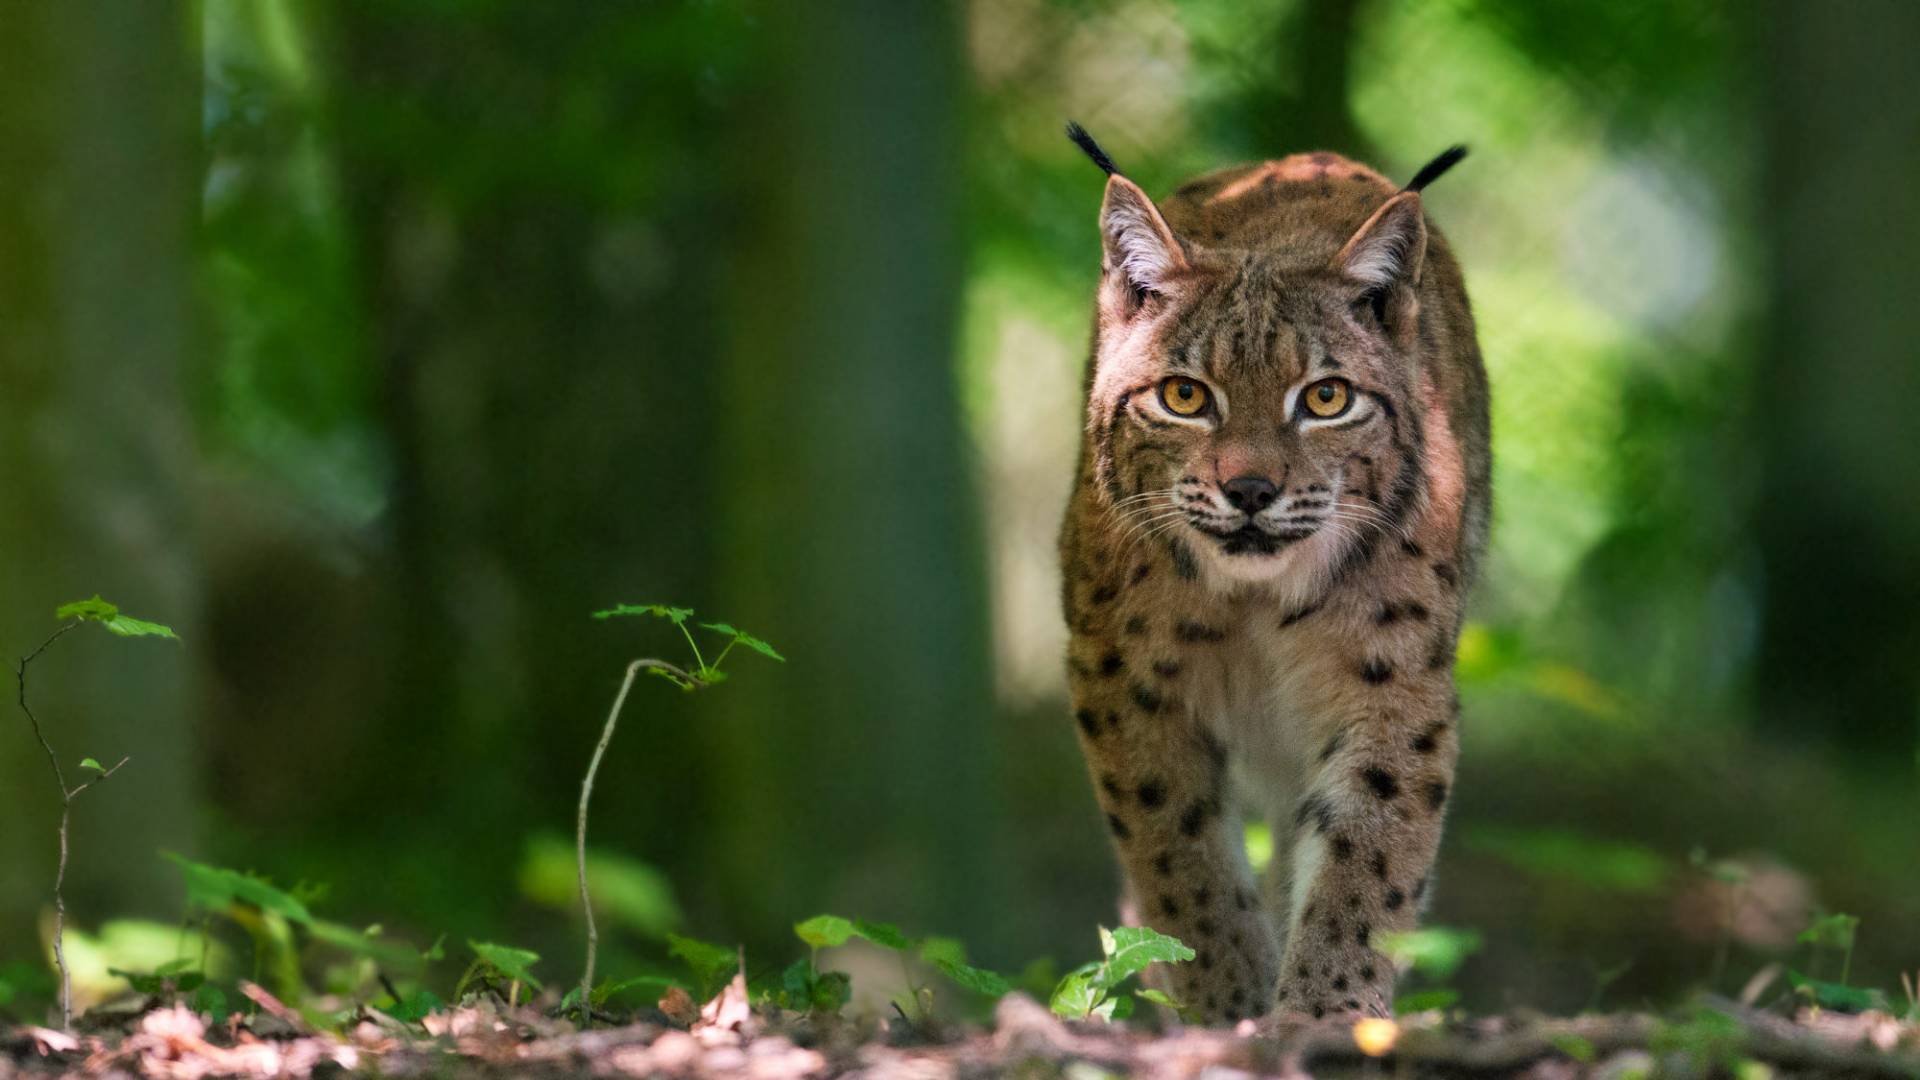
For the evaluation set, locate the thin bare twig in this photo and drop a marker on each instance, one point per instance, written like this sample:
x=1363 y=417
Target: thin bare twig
x=686 y=680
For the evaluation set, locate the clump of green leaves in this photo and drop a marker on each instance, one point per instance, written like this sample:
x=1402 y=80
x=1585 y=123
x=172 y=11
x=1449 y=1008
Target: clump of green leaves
x=805 y=987
x=700 y=672
x=72 y=616
x=699 y=675
x=496 y=966
x=280 y=924
x=1834 y=933
x=1433 y=954
x=1091 y=991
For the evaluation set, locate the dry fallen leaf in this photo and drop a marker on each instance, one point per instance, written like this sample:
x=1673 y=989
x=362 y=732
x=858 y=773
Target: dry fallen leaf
x=727 y=1015
x=679 y=1007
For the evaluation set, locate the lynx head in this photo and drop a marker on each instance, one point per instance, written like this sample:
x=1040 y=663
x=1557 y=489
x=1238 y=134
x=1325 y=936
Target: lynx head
x=1255 y=394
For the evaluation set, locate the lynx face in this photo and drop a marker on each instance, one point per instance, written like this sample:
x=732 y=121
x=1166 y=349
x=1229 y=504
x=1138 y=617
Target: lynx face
x=1258 y=410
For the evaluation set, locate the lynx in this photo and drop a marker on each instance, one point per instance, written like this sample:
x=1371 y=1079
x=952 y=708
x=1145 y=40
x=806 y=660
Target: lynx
x=1282 y=499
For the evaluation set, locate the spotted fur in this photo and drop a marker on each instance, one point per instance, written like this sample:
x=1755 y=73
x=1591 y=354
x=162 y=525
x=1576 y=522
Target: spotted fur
x=1287 y=654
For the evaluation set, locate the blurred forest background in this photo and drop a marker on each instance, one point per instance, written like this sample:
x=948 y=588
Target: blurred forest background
x=374 y=345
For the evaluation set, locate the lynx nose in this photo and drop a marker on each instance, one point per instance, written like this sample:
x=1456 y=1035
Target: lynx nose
x=1250 y=494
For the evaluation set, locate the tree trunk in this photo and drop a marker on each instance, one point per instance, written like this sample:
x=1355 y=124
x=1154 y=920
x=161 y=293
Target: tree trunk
x=859 y=776
x=1838 y=514
x=98 y=195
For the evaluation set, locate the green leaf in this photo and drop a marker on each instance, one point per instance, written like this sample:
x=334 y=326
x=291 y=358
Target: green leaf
x=1115 y=1008
x=1134 y=948
x=832 y=931
x=670 y=677
x=746 y=639
x=1835 y=930
x=90 y=763
x=885 y=935
x=1077 y=995
x=1425 y=1000
x=950 y=957
x=824 y=931
x=1162 y=998
x=1844 y=998
x=676 y=615
x=626 y=891
x=416 y=1006
x=509 y=961
x=170 y=978
x=1436 y=951
x=655 y=985
x=214 y=889
x=94 y=610
x=127 y=626
x=1574 y=1046
x=712 y=965
x=212 y=1001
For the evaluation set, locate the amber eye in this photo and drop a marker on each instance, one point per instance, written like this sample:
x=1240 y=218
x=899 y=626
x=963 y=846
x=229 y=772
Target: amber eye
x=1184 y=397
x=1327 y=398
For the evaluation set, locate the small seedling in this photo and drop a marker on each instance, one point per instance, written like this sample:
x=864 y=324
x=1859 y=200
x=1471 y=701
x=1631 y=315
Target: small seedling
x=71 y=617
x=698 y=676
x=1089 y=991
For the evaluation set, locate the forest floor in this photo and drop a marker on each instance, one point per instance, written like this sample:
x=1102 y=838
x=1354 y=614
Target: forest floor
x=727 y=1039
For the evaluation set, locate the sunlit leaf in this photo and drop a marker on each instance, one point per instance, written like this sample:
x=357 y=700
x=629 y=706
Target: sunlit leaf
x=1136 y=947
x=831 y=931
x=93 y=610
x=514 y=963
x=824 y=931
x=127 y=626
x=1077 y=995
x=90 y=763
x=675 y=615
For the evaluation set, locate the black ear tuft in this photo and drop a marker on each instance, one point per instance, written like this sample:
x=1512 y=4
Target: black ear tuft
x=1092 y=149
x=1434 y=169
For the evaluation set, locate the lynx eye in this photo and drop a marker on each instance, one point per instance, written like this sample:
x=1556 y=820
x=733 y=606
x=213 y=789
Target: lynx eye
x=1184 y=397
x=1327 y=398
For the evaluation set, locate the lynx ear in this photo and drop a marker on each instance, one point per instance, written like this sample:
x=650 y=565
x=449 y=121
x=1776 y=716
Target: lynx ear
x=1142 y=256
x=1390 y=247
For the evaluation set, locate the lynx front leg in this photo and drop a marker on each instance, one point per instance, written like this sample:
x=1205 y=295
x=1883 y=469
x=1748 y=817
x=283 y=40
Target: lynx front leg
x=1162 y=782
x=1364 y=843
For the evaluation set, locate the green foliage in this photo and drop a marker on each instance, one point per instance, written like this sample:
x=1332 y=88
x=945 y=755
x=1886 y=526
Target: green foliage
x=702 y=672
x=174 y=977
x=1564 y=855
x=108 y=615
x=416 y=1006
x=945 y=955
x=1838 y=996
x=92 y=764
x=626 y=892
x=676 y=615
x=1709 y=1039
x=711 y=965
x=1088 y=991
x=1435 y=951
x=506 y=961
x=217 y=890
x=1425 y=1001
